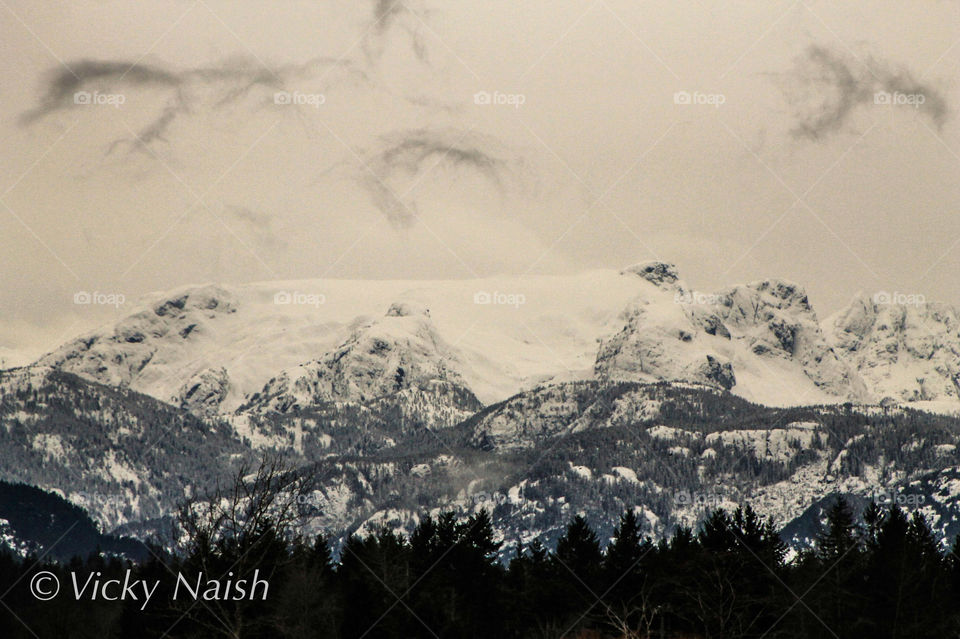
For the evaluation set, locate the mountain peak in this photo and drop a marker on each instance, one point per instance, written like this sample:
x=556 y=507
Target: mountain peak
x=777 y=292
x=209 y=297
x=211 y=349
x=378 y=358
x=407 y=309
x=655 y=272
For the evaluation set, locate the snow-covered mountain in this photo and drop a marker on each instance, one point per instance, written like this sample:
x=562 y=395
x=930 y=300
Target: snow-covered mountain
x=907 y=349
x=536 y=395
x=218 y=346
x=671 y=450
x=762 y=340
x=382 y=356
x=150 y=349
x=119 y=454
x=285 y=346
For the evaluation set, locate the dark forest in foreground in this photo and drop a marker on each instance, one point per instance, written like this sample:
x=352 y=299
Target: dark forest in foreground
x=879 y=573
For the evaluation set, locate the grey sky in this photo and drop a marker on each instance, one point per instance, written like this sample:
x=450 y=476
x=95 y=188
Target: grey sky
x=802 y=172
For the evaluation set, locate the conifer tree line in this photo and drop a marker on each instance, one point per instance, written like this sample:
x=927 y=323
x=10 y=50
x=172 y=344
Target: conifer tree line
x=879 y=573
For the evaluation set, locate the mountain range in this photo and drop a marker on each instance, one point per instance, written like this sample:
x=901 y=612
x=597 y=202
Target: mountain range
x=537 y=397
x=276 y=346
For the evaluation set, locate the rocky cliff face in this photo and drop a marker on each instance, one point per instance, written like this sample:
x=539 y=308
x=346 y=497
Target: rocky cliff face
x=203 y=393
x=902 y=346
x=142 y=350
x=399 y=358
x=774 y=319
x=734 y=339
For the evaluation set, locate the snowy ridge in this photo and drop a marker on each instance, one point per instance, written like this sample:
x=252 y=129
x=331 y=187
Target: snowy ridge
x=392 y=354
x=278 y=346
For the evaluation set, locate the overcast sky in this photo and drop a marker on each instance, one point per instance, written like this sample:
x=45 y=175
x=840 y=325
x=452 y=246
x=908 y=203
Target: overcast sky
x=379 y=159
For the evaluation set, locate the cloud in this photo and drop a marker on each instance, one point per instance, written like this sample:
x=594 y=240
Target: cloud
x=385 y=11
x=410 y=155
x=389 y=15
x=153 y=131
x=256 y=225
x=826 y=87
x=62 y=84
x=192 y=90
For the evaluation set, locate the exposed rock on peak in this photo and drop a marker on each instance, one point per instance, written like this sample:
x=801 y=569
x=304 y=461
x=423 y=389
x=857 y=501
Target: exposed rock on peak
x=203 y=393
x=380 y=358
x=903 y=346
x=204 y=298
x=765 y=330
x=118 y=355
x=660 y=342
x=770 y=294
x=656 y=272
x=406 y=309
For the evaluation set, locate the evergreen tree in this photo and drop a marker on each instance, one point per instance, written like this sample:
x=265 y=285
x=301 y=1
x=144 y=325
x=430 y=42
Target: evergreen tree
x=578 y=550
x=834 y=576
x=628 y=587
x=576 y=566
x=626 y=548
x=842 y=534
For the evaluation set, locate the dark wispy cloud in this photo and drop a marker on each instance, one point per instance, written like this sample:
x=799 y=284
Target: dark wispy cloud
x=258 y=226
x=192 y=90
x=154 y=131
x=391 y=16
x=825 y=88
x=385 y=11
x=412 y=153
x=62 y=84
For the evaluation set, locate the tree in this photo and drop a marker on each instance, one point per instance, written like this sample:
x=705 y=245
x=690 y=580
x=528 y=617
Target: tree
x=908 y=582
x=625 y=550
x=308 y=603
x=578 y=550
x=576 y=568
x=628 y=589
x=842 y=534
x=374 y=576
x=237 y=532
x=834 y=573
